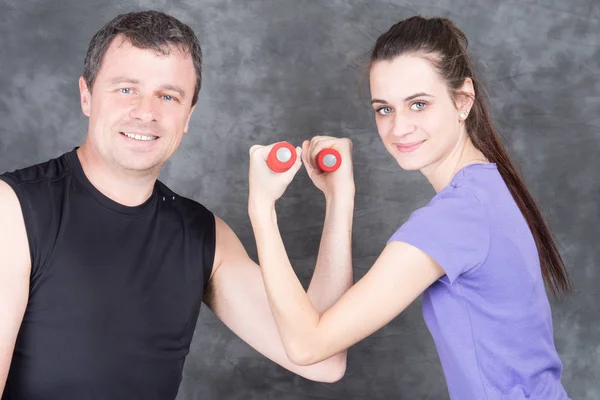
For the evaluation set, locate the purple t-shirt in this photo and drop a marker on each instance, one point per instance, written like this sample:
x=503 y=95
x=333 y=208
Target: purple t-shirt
x=489 y=315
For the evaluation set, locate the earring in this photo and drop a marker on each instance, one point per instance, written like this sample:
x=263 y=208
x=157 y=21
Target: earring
x=463 y=115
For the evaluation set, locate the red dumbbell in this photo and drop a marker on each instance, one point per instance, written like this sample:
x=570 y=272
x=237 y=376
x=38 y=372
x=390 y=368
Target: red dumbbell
x=329 y=160
x=283 y=156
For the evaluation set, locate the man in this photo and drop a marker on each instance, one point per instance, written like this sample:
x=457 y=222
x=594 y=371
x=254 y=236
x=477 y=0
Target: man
x=103 y=268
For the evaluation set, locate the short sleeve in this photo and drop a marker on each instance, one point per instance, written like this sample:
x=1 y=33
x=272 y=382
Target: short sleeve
x=453 y=229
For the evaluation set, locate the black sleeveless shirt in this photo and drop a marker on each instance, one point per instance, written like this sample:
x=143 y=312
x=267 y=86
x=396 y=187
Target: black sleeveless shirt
x=115 y=291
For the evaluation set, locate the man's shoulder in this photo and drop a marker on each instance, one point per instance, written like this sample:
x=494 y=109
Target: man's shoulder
x=49 y=170
x=185 y=205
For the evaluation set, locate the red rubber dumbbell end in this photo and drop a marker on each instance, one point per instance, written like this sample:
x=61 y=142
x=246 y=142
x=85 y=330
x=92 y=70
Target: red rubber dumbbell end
x=281 y=157
x=329 y=160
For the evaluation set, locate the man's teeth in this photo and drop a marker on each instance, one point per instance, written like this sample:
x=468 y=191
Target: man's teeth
x=139 y=137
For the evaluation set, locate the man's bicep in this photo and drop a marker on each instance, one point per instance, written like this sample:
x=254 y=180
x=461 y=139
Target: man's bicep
x=15 y=267
x=230 y=255
x=237 y=296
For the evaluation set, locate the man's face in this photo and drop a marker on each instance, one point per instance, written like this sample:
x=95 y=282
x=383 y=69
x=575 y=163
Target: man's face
x=140 y=105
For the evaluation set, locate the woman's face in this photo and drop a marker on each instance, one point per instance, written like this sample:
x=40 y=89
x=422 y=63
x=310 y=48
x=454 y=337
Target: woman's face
x=416 y=117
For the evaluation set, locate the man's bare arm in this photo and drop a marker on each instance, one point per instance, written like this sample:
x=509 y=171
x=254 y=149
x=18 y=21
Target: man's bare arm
x=237 y=296
x=15 y=267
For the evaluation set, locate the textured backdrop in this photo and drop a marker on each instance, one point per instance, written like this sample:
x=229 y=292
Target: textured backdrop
x=291 y=69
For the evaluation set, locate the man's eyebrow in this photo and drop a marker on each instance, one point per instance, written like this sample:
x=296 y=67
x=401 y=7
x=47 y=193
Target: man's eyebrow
x=123 y=79
x=174 y=88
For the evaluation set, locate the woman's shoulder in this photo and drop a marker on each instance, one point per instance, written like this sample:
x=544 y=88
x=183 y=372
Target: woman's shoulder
x=473 y=183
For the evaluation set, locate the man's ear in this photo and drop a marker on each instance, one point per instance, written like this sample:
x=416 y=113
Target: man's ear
x=85 y=97
x=187 y=123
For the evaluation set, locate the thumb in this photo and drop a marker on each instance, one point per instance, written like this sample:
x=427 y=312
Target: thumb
x=305 y=154
x=298 y=164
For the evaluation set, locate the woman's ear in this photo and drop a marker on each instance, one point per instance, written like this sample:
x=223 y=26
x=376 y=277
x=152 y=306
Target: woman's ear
x=465 y=96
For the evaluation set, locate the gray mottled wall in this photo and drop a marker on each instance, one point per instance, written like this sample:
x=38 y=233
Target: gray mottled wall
x=290 y=69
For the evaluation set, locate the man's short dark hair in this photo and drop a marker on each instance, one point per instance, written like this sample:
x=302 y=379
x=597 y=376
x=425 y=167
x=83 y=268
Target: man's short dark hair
x=152 y=30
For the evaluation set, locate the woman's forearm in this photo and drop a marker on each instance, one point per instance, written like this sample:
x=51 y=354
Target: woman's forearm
x=295 y=316
x=333 y=271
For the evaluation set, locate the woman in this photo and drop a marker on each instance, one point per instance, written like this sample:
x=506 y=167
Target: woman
x=479 y=252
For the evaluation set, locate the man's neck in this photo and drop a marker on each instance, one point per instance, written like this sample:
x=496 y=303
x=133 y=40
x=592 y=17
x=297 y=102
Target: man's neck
x=127 y=188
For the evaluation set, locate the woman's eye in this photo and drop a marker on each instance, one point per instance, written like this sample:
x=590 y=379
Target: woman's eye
x=385 y=111
x=418 y=105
